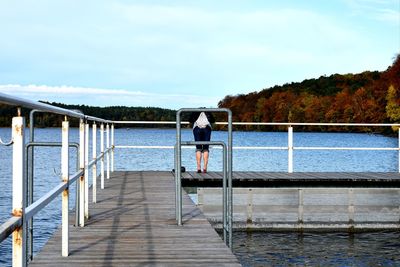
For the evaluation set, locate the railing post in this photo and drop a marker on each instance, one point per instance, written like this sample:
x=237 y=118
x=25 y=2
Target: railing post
x=230 y=171
x=112 y=147
x=178 y=188
x=82 y=178
x=399 y=150
x=94 y=170
x=108 y=153
x=65 y=179
x=290 y=149
x=31 y=159
x=86 y=170
x=102 y=153
x=19 y=193
x=225 y=203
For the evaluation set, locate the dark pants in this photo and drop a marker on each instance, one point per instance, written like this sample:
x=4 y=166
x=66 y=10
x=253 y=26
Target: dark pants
x=202 y=134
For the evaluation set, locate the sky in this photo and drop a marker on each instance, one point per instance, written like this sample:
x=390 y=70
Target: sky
x=180 y=54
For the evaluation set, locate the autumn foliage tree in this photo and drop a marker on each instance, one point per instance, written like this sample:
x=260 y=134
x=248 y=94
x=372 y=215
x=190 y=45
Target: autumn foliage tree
x=368 y=97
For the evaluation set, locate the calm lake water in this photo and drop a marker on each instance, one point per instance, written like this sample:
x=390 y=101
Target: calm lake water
x=252 y=248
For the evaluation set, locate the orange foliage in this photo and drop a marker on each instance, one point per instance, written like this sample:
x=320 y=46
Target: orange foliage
x=338 y=98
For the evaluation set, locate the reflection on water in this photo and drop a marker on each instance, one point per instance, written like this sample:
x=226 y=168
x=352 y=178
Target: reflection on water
x=317 y=249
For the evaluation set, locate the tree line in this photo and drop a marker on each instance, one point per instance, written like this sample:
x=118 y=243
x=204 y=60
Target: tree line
x=116 y=113
x=368 y=97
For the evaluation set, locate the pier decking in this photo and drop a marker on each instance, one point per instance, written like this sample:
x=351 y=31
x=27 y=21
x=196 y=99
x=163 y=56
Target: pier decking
x=133 y=224
x=297 y=179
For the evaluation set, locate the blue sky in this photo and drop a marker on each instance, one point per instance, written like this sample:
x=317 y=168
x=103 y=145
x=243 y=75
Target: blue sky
x=175 y=54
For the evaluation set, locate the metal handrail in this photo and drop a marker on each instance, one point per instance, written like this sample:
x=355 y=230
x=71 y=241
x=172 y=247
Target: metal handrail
x=226 y=194
x=21 y=102
x=178 y=162
x=290 y=147
x=269 y=123
x=23 y=212
x=30 y=185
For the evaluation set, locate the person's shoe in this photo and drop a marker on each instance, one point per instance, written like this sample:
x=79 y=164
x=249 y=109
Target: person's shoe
x=204 y=170
x=198 y=171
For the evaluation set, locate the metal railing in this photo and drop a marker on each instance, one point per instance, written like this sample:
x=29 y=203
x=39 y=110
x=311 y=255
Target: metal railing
x=227 y=157
x=227 y=205
x=290 y=142
x=24 y=210
x=290 y=147
x=30 y=189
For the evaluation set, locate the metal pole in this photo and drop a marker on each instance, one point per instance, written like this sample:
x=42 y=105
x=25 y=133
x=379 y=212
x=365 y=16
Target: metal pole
x=82 y=178
x=65 y=194
x=224 y=195
x=176 y=180
x=178 y=168
x=30 y=180
x=94 y=170
x=108 y=145
x=290 y=149
x=112 y=146
x=102 y=153
x=19 y=194
x=230 y=170
x=77 y=193
x=399 y=150
x=86 y=170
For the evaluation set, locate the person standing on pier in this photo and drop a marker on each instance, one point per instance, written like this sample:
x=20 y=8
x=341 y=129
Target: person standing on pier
x=202 y=132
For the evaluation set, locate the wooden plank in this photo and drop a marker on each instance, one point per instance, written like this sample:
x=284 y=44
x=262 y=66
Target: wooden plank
x=133 y=224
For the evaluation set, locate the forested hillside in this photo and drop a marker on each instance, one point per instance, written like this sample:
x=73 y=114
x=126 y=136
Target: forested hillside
x=368 y=97
x=109 y=113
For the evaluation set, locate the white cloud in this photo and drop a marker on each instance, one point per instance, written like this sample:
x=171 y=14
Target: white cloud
x=389 y=15
x=106 y=97
x=66 y=90
x=381 y=10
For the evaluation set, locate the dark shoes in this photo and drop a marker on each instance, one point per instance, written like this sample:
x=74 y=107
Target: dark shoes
x=204 y=171
x=198 y=171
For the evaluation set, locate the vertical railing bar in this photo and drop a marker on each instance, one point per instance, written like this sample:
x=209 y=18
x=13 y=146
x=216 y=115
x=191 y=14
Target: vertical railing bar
x=112 y=147
x=87 y=133
x=65 y=193
x=82 y=178
x=224 y=195
x=77 y=194
x=19 y=193
x=176 y=183
x=230 y=170
x=178 y=194
x=108 y=153
x=399 y=149
x=94 y=170
x=290 y=149
x=102 y=157
x=30 y=181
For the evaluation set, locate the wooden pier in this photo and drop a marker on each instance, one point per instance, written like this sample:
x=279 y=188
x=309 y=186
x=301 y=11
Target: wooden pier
x=297 y=179
x=133 y=224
